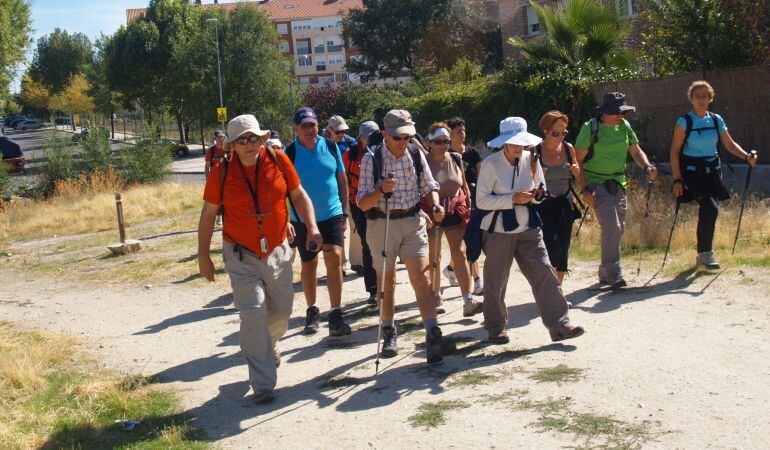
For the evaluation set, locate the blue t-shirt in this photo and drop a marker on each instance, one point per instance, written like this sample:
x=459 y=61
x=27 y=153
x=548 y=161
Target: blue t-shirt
x=317 y=172
x=702 y=144
x=345 y=144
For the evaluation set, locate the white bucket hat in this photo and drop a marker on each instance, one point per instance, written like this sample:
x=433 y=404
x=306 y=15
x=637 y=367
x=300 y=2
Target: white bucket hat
x=513 y=130
x=243 y=124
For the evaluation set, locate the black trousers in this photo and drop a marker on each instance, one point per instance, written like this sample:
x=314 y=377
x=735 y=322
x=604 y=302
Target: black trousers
x=370 y=275
x=558 y=217
x=707 y=221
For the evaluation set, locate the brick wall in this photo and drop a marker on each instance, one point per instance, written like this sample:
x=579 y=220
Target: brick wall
x=742 y=99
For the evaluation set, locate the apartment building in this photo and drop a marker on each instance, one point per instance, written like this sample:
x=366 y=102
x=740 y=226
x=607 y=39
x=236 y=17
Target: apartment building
x=518 y=18
x=310 y=31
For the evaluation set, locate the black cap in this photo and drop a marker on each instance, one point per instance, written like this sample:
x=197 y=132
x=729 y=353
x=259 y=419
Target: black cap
x=275 y=135
x=305 y=115
x=614 y=103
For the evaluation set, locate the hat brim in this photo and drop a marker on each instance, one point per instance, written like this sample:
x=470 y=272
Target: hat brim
x=408 y=129
x=307 y=120
x=522 y=138
x=619 y=110
x=257 y=131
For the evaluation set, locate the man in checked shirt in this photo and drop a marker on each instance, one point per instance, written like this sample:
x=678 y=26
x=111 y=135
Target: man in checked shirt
x=407 y=236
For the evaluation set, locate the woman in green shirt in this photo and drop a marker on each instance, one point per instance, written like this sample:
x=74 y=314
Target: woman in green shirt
x=602 y=147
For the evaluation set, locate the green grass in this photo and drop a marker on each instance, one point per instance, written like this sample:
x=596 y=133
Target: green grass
x=53 y=397
x=558 y=374
x=472 y=378
x=340 y=381
x=546 y=407
x=431 y=415
x=505 y=397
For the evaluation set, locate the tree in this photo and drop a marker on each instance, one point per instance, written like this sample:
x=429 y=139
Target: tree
x=581 y=33
x=388 y=33
x=34 y=95
x=131 y=68
x=58 y=57
x=15 y=30
x=691 y=35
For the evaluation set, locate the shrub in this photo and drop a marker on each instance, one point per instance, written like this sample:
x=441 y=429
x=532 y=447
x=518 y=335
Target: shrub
x=60 y=164
x=96 y=152
x=146 y=162
x=5 y=181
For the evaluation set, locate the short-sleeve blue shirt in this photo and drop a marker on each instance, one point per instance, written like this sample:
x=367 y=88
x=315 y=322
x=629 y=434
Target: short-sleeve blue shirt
x=702 y=143
x=317 y=172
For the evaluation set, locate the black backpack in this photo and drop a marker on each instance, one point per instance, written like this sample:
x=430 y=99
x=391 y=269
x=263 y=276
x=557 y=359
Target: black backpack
x=291 y=149
x=595 y=136
x=687 y=160
x=414 y=152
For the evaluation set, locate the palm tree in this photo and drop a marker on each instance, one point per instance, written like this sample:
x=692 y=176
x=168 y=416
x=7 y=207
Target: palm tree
x=582 y=32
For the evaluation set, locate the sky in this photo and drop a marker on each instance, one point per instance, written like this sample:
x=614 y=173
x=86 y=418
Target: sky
x=91 y=17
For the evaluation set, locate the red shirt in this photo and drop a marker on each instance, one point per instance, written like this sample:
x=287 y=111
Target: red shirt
x=241 y=222
x=215 y=154
x=353 y=171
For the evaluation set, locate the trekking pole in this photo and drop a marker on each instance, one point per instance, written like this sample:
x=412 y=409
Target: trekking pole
x=582 y=219
x=643 y=223
x=753 y=153
x=668 y=245
x=384 y=266
x=436 y=275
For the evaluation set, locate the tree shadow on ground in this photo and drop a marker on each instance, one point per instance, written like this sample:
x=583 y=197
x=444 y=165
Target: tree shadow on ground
x=215 y=308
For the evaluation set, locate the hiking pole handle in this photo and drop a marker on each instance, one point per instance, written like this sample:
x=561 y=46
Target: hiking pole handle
x=753 y=155
x=389 y=194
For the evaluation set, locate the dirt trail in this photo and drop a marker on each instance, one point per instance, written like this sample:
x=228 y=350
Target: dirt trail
x=682 y=363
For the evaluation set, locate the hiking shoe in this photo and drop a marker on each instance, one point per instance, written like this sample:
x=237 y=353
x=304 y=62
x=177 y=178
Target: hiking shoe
x=569 y=304
x=618 y=283
x=500 y=338
x=337 y=325
x=277 y=357
x=478 y=286
x=566 y=331
x=434 y=345
x=389 y=342
x=439 y=301
x=219 y=221
x=708 y=260
x=472 y=307
x=311 y=320
x=263 y=397
x=372 y=300
x=449 y=274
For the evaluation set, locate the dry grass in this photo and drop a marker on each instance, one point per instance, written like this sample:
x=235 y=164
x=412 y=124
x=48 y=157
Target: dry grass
x=53 y=396
x=81 y=206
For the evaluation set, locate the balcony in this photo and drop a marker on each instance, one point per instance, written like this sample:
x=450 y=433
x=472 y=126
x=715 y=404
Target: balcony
x=319 y=48
x=334 y=48
x=303 y=51
x=320 y=68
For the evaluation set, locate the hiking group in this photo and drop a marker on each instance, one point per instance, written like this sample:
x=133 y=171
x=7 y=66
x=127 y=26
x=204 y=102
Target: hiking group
x=402 y=193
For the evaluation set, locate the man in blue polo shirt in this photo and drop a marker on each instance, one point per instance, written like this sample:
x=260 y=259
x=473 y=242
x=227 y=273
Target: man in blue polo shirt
x=318 y=162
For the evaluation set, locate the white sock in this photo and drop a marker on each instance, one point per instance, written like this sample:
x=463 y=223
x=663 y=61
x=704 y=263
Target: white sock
x=467 y=299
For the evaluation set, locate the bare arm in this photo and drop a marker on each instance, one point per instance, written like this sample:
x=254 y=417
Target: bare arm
x=342 y=185
x=580 y=156
x=732 y=146
x=205 y=231
x=641 y=159
x=304 y=207
x=676 y=149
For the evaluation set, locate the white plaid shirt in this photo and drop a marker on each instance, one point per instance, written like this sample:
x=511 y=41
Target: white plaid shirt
x=408 y=191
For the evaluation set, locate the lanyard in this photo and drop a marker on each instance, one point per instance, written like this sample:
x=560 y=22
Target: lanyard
x=252 y=190
x=515 y=172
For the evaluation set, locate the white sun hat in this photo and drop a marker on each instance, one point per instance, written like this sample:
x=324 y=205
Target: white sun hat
x=513 y=130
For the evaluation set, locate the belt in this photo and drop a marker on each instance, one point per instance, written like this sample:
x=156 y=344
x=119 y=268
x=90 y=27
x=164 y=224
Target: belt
x=376 y=213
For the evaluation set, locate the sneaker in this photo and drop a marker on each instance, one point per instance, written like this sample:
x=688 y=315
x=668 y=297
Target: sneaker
x=337 y=325
x=389 y=342
x=566 y=331
x=449 y=274
x=439 y=301
x=311 y=320
x=263 y=397
x=708 y=260
x=472 y=308
x=478 y=286
x=569 y=304
x=372 y=300
x=277 y=357
x=500 y=338
x=618 y=283
x=434 y=345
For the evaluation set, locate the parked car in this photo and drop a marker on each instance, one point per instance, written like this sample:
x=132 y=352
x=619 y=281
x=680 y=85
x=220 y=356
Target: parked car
x=12 y=155
x=177 y=148
x=30 y=125
x=84 y=134
x=17 y=121
x=7 y=121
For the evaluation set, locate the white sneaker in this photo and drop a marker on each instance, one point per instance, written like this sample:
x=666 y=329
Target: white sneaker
x=709 y=260
x=478 y=286
x=450 y=275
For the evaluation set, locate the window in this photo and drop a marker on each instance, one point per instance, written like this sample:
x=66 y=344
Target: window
x=301 y=25
x=283 y=46
x=320 y=64
x=282 y=28
x=304 y=80
x=333 y=44
x=533 y=22
x=627 y=8
x=303 y=46
x=305 y=61
x=340 y=77
x=336 y=59
x=319 y=45
x=325 y=80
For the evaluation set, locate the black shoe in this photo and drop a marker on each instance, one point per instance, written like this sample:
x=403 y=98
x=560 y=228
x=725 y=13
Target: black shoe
x=618 y=283
x=277 y=357
x=311 y=320
x=372 y=300
x=337 y=325
x=263 y=397
x=434 y=345
x=389 y=342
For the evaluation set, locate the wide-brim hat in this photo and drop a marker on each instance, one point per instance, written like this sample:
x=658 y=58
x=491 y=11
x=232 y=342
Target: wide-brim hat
x=243 y=124
x=399 y=121
x=614 y=103
x=513 y=130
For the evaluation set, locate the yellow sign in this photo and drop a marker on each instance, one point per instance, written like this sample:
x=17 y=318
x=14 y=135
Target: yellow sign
x=221 y=114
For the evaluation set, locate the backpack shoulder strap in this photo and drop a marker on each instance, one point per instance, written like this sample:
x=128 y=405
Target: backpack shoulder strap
x=224 y=165
x=569 y=149
x=415 y=153
x=687 y=129
x=377 y=164
x=594 y=124
x=457 y=158
x=291 y=152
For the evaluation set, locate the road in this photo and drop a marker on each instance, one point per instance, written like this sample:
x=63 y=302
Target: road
x=188 y=169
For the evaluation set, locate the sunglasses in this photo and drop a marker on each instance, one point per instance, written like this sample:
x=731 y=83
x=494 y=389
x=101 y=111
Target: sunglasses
x=401 y=138
x=441 y=141
x=555 y=133
x=245 y=140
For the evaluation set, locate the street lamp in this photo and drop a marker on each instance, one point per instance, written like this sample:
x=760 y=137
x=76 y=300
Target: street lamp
x=219 y=64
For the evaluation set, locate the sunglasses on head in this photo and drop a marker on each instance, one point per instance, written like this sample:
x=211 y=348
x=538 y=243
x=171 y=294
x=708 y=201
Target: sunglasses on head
x=245 y=140
x=555 y=133
x=401 y=138
x=441 y=141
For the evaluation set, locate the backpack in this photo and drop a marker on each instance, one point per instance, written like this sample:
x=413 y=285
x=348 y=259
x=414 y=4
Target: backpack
x=595 y=136
x=414 y=152
x=291 y=149
x=688 y=131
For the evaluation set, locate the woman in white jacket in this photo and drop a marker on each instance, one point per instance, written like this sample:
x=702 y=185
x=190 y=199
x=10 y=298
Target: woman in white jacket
x=509 y=183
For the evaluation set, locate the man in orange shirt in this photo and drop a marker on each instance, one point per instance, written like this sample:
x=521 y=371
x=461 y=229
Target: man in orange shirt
x=216 y=152
x=252 y=189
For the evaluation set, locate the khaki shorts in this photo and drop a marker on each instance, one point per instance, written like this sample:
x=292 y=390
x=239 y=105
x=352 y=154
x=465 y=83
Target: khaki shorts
x=407 y=239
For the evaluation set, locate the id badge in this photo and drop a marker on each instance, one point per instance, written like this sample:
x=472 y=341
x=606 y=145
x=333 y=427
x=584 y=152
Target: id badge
x=263 y=244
